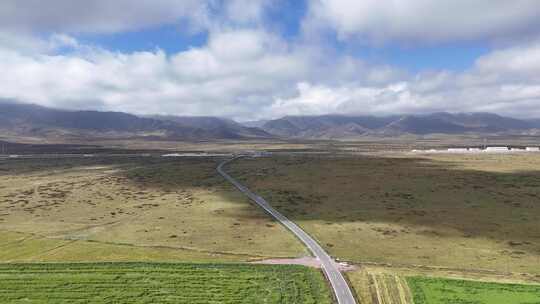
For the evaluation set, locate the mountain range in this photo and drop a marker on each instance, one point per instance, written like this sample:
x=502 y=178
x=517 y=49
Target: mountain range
x=343 y=126
x=18 y=119
x=31 y=120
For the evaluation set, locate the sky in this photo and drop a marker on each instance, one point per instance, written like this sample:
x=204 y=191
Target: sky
x=262 y=59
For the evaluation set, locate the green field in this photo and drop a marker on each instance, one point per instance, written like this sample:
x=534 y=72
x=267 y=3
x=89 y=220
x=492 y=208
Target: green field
x=447 y=291
x=160 y=283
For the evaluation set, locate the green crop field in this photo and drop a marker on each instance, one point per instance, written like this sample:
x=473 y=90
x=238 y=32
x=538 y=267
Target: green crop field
x=160 y=283
x=448 y=291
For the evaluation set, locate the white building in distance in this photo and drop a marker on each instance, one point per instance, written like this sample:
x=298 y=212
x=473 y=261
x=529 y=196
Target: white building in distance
x=497 y=149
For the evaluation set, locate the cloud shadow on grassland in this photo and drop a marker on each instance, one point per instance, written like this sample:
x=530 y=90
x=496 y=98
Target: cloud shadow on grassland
x=414 y=192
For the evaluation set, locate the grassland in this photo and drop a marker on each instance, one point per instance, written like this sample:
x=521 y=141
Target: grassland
x=469 y=212
x=160 y=283
x=131 y=209
x=446 y=291
x=125 y=209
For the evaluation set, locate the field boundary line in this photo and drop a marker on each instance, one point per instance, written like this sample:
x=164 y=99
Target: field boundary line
x=441 y=268
x=35 y=236
x=41 y=254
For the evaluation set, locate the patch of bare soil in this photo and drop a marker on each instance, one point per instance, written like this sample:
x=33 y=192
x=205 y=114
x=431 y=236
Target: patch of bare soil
x=305 y=261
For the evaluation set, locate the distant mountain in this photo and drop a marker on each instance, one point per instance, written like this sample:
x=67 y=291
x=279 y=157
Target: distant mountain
x=343 y=127
x=324 y=126
x=255 y=123
x=220 y=127
x=32 y=120
x=36 y=121
x=535 y=123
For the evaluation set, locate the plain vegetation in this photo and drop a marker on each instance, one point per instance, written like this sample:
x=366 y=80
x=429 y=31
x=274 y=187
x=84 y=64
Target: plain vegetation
x=447 y=291
x=125 y=209
x=122 y=209
x=374 y=287
x=461 y=212
x=161 y=283
x=380 y=284
x=469 y=214
x=410 y=221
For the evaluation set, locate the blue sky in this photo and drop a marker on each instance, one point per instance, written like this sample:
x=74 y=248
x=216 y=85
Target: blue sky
x=263 y=59
x=454 y=57
x=169 y=38
x=285 y=19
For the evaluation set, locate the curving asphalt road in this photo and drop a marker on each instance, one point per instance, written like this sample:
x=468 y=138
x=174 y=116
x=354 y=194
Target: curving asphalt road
x=339 y=284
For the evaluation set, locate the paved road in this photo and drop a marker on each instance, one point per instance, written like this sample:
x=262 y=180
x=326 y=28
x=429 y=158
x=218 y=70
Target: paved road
x=341 y=289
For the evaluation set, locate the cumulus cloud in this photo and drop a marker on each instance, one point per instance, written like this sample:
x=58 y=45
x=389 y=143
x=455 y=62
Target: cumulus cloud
x=251 y=74
x=98 y=16
x=246 y=12
x=426 y=21
x=520 y=61
x=246 y=71
x=235 y=69
x=505 y=81
x=351 y=99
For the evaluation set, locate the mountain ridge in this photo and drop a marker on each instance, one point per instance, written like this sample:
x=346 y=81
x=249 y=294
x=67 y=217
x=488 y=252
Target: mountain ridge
x=335 y=126
x=32 y=120
x=18 y=119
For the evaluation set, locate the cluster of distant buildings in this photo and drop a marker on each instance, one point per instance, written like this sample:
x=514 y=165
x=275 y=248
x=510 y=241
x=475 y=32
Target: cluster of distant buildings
x=500 y=149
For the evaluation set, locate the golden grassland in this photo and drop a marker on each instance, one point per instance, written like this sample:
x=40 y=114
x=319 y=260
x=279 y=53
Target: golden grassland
x=131 y=209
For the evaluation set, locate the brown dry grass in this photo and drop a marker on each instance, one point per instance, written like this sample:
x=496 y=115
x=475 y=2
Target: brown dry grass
x=143 y=206
x=461 y=212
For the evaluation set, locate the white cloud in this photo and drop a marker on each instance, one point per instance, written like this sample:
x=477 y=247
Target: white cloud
x=250 y=74
x=520 y=61
x=235 y=69
x=245 y=71
x=351 y=99
x=98 y=16
x=505 y=81
x=245 y=12
x=426 y=21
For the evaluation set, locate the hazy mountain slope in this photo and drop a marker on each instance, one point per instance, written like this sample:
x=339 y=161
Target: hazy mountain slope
x=222 y=127
x=487 y=122
x=32 y=120
x=255 y=123
x=37 y=116
x=423 y=125
x=534 y=122
x=35 y=121
x=324 y=126
x=341 y=126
